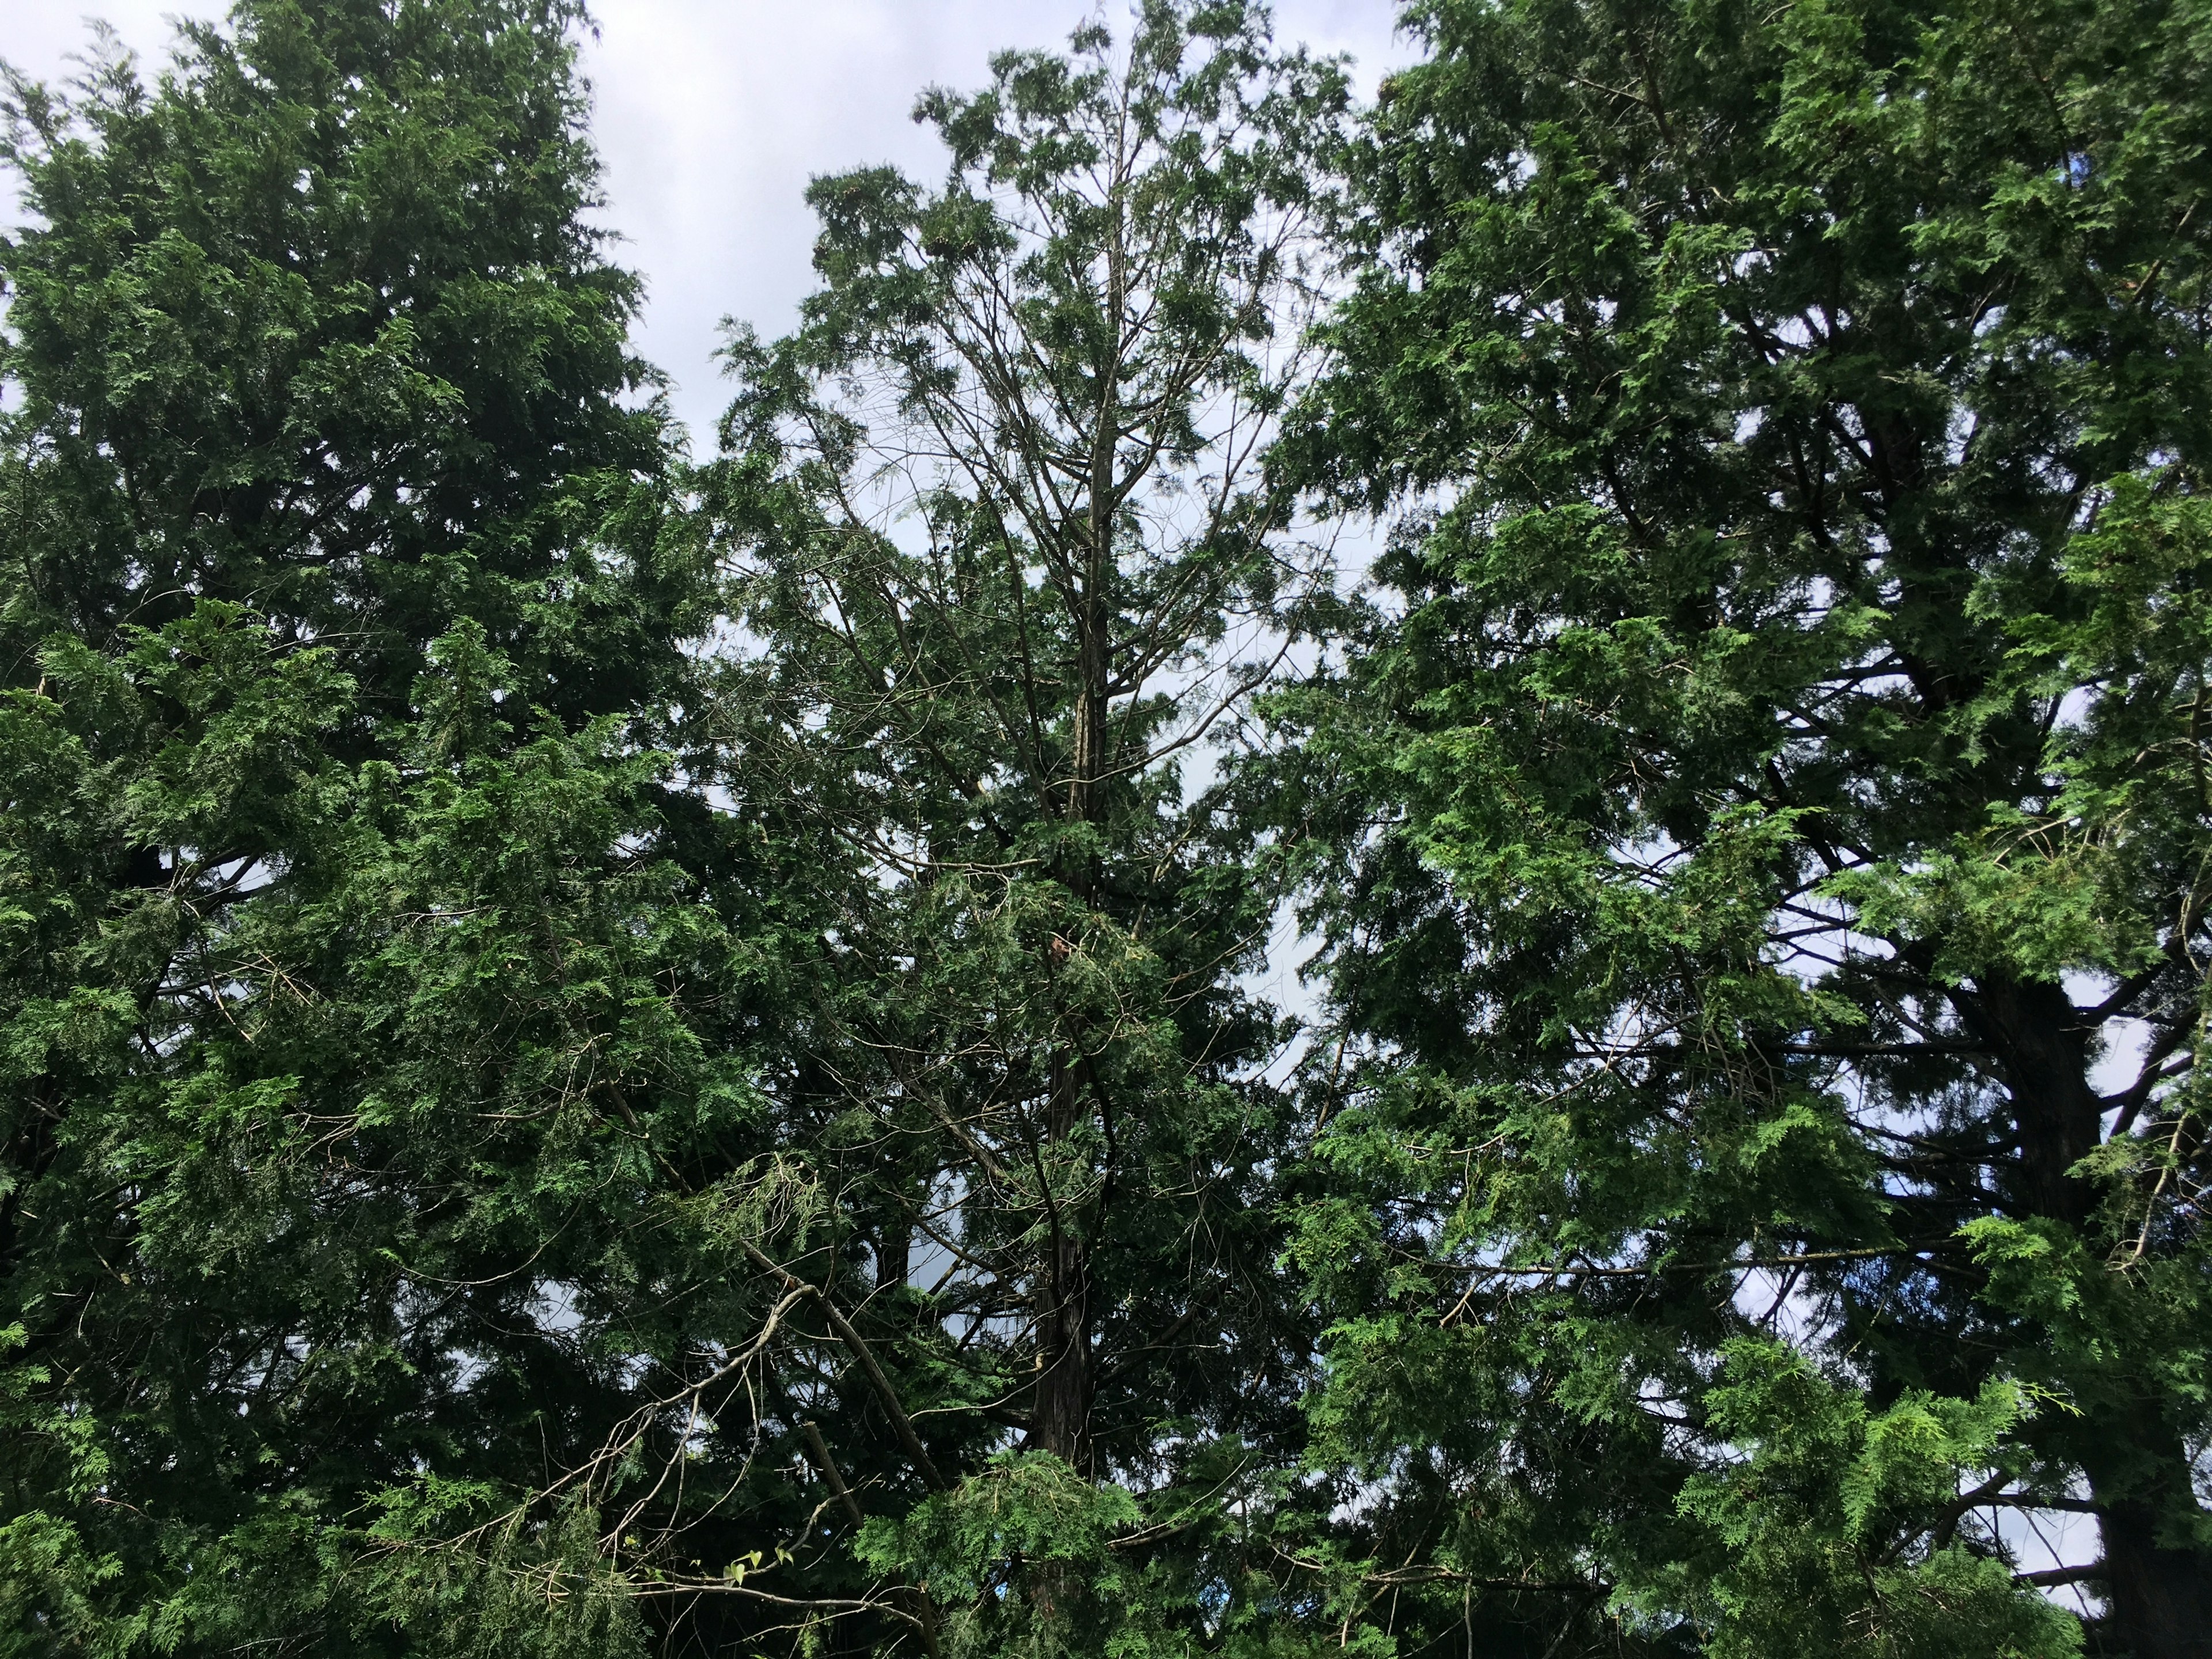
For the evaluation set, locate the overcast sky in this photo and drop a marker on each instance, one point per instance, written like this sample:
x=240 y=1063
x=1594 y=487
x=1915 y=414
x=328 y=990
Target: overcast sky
x=712 y=114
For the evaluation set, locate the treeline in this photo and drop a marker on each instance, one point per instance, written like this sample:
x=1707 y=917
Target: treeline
x=607 y=1051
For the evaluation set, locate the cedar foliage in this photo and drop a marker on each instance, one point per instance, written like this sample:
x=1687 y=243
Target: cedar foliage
x=1011 y=562
x=364 y=960
x=1769 y=884
x=601 y=1054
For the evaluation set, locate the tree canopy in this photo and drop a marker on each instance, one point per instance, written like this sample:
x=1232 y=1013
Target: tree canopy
x=366 y=953
x=1770 y=840
x=612 y=1051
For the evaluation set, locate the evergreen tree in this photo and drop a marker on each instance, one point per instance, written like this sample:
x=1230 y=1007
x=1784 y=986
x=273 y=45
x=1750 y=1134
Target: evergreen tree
x=372 y=992
x=1011 y=566
x=1767 y=909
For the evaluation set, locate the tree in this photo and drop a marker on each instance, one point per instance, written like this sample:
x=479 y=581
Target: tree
x=1770 y=847
x=374 y=991
x=1011 y=563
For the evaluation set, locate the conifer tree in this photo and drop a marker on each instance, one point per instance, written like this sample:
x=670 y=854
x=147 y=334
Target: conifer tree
x=364 y=972
x=1769 y=891
x=1012 y=568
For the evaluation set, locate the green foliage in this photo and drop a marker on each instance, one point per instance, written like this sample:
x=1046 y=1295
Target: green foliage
x=313 y=327
x=1802 y=1524
x=1780 y=792
x=369 y=982
x=1011 y=568
x=602 y=1057
x=969 y=1546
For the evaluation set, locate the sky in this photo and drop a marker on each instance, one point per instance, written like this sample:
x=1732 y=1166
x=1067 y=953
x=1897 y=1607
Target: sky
x=711 y=115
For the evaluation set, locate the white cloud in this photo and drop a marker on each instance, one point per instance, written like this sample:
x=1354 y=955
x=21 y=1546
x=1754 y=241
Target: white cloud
x=712 y=114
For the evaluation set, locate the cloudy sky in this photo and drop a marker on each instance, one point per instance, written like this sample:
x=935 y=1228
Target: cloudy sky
x=712 y=114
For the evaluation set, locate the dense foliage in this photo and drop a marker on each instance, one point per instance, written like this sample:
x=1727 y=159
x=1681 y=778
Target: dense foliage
x=602 y=1053
x=363 y=960
x=1772 y=843
x=1011 y=563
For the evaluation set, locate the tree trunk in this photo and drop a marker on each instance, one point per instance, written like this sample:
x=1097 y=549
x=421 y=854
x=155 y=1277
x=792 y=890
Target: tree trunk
x=2160 y=1585
x=2161 y=1594
x=2159 y=1580
x=2043 y=1051
x=1059 y=1420
x=894 y=1252
x=1059 y=1417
